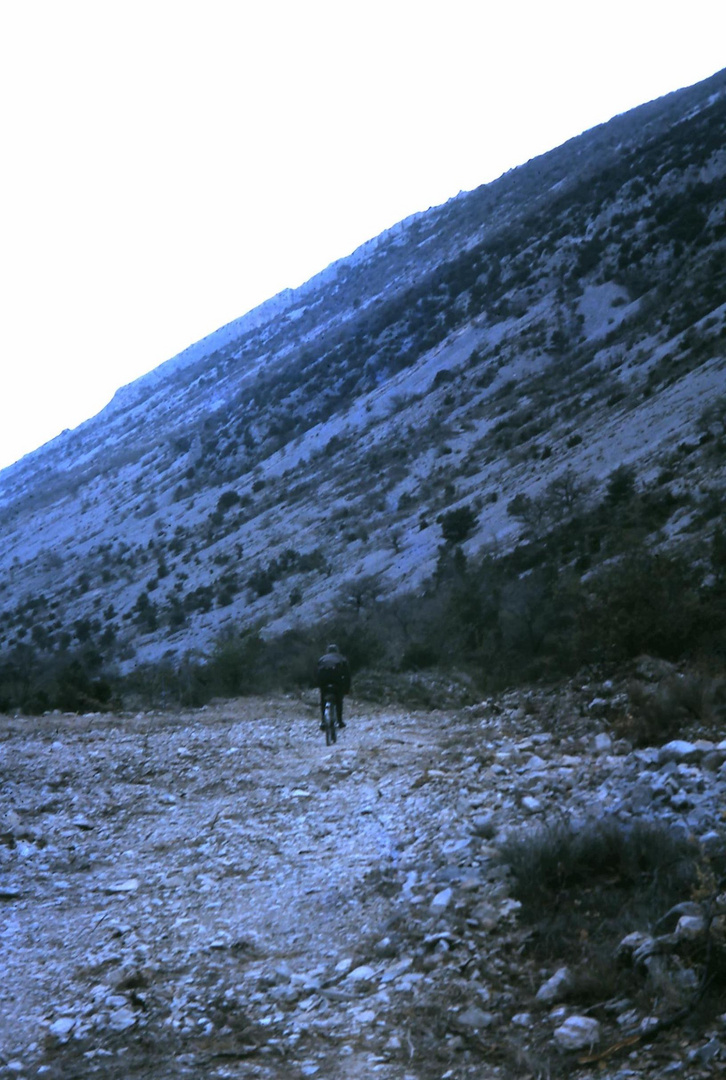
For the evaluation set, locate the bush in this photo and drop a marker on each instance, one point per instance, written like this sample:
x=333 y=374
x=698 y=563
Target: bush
x=621 y=485
x=559 y=859
x=457 y=525
x=660 y=714
x=531 y=512
x=584 y=887
x=419 y=657
x=226 y=500
x=646 y=604
x=78 y=692
x=262 y=582
x=234 y=667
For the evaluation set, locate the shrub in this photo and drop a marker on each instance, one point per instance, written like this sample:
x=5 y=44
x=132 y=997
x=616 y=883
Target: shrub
x=713 y=418
x=584 y=887
x=261 y=582
x=234 y=666
x=646 y=604
x=443 y=375
x=226 y=500
x=419 y=657
x=621 y=485
x=457 y=525
x=145 y=613
x=531 y=512
x=77 y=691
x=561 y=859
x=659 y=714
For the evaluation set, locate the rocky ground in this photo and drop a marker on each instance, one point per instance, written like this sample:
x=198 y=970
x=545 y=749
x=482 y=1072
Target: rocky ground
x=215 y=893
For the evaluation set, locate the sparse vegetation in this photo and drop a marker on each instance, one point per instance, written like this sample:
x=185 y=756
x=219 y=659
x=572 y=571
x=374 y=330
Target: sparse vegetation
x=457 y=525
x=617 y=280
x=586 y=888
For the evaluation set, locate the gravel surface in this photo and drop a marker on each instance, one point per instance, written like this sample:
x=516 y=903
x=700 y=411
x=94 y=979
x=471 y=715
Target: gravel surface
x=215 y=893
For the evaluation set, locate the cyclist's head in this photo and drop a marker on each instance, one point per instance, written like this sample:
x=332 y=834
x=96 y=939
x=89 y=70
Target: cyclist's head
x=333 y=648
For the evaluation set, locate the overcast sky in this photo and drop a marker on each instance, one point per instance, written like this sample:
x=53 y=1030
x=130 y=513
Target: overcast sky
x=167 y=164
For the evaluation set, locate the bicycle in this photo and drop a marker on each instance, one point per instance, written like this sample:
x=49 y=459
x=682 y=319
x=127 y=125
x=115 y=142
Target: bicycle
x=330 y=718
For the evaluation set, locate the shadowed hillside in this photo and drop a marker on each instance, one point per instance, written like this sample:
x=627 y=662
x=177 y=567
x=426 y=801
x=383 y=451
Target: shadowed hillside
x=496 y=416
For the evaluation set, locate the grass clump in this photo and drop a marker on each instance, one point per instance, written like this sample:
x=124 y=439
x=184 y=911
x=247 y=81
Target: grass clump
x=583 y=888
x=659 y=714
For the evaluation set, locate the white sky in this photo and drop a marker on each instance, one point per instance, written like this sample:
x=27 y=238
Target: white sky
x=169 y=164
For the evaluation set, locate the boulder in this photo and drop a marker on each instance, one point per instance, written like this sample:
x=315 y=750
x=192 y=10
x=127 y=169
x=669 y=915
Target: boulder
x=690 y=928
x=475 y=1019
x=442 y=900
x=555 y=988
x=577 y=1033
x=680 y=751
x=483 y=825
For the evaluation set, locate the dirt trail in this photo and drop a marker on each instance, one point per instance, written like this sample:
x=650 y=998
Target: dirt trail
x=177 y=891
x=217 y=894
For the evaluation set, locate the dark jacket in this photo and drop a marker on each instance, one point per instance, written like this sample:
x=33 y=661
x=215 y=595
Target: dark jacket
x=334 y=670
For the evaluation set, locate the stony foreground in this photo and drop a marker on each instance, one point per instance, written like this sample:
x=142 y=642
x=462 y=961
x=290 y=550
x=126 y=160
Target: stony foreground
x=217 y=894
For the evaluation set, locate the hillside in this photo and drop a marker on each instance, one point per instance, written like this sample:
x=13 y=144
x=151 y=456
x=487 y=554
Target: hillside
x=485 y=454
x=499 y=357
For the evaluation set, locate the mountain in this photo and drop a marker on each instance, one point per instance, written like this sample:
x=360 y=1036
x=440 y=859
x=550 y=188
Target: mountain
x=542 y=354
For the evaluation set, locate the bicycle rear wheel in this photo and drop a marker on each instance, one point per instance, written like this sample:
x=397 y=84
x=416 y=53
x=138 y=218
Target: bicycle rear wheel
x=331 y=733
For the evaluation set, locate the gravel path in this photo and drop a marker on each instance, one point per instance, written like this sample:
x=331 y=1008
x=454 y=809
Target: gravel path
x=216 y=893
x=163 y=876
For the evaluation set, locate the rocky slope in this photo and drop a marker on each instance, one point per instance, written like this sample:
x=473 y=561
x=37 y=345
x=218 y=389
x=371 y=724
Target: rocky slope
x=214 y=893
x=564 y=320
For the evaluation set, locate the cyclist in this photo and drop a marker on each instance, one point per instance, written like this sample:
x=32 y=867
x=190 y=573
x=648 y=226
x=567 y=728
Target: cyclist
x=333 y=675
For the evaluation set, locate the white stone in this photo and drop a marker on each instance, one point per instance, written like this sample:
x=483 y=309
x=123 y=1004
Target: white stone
x=397 y=969
x=522 y=1019
x=681 y=800
x=559 y=1013
x=115 y=1001
x=442 y=900
x=577 y=1032
x=679 y=750
x=603 y=743
x=531 y=804
x=367 y=1016
x=122 y=1020
x=555 y=987
x=411 y=879
x=483 y=825
x=475 y=1018
x=129 y=886
x=509 y=907
x=690 y=927
x=631 y=943
x=364 y=973
x=62 y=1027
x=628 y=1019
x=711 y=842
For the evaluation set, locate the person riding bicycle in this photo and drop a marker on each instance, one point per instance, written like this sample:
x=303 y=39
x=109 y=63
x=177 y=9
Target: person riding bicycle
x=334 y=676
